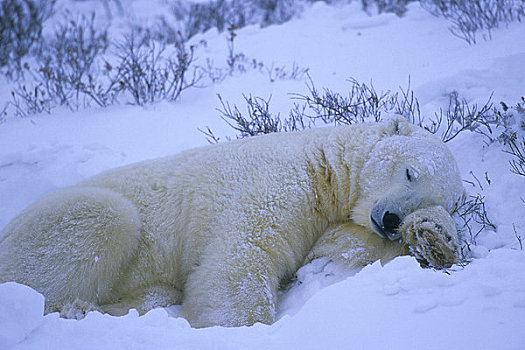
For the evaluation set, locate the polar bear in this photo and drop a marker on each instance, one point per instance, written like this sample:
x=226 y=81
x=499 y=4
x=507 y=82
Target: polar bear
x=217 y=228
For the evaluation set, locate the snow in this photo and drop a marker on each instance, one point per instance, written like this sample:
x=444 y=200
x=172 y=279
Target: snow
x=20 y=312
x=396 y=306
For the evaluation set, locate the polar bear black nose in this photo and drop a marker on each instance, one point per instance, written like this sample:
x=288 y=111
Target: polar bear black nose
x=390 y=222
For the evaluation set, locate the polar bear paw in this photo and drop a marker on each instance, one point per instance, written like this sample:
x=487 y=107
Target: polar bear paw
x=77 y=309
x=430 y=235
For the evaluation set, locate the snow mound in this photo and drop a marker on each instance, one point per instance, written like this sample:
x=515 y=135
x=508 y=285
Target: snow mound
x=21 y=311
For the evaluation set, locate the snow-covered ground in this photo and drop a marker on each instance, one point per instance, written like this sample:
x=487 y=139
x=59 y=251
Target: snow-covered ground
x=399 y=305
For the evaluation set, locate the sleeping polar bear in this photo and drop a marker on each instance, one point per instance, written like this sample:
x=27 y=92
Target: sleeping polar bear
x=217 y=228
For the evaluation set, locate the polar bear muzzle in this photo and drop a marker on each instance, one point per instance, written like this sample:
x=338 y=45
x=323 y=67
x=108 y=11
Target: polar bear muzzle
x=386 y=225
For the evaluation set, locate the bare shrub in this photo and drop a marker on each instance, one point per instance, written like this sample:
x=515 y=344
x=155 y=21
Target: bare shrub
x=277 y=11
x=471 y=215
x=233 y=57
x=470 y=17
x=21 y=23
x=517 y=149
x=258 y=120
x=199 y=17
x=362 y=103
x=67 y=65
x=517 y=110
x=75 y=72
x=471 y=219
x=238 y=62
x=148 y=72
x=513 y=120
x=518 y=237
x=3 y=113
x=461 y=116
x=394 y=6
x=222 y=14
x=283 y=73
x=27 y=101
x=67 y=74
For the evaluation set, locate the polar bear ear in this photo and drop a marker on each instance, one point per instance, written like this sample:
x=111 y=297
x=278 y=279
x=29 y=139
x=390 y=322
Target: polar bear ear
x=398 y=125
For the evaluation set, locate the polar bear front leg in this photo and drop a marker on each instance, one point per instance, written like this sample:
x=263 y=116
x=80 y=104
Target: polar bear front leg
x=352 y=247
x=234 y=285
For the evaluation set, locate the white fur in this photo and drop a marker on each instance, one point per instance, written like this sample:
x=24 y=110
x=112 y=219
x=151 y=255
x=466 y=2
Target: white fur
x=218 y=227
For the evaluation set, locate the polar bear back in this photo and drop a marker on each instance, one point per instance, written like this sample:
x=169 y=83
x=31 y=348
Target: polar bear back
x=181 y=199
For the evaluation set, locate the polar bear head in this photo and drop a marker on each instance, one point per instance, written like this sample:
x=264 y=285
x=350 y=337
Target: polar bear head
x=407 y=170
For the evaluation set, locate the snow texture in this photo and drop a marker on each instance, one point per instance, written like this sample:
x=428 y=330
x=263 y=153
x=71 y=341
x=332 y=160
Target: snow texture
x=396 y=306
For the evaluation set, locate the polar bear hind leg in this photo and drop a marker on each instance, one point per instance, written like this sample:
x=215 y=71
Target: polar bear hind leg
x=71 y=245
